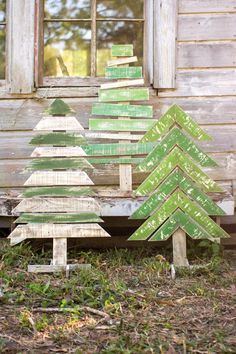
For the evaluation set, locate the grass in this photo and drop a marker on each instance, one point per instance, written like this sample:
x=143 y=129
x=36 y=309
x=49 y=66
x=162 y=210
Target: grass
x=127 y=303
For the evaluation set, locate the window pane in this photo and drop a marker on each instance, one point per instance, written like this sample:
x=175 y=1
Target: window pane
x=122 y=8
x=67 y=9
x=67 y=49
x=2 y=10
x=2 y=52
x=109 y=33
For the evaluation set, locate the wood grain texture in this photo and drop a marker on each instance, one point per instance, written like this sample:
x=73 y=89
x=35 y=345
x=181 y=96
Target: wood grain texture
x=206 y=27
x=193 y=6
x=132 y=72
x=118 y=149
x=122 y=110
x=58 y=178
x=180 y=249
x=58 y=139
x=57 y=205
x=59 y=123
x=129 y=94
x=44 y=151
x=121 y=125
x=49 y=268
x=124 y=83
x=20 y=47
x=58 y=192
x=165 y=33
x=59 y=164
x=32 y=231
x=122 y=61
x=59 y=218
x=122 y=50
x=59 y=251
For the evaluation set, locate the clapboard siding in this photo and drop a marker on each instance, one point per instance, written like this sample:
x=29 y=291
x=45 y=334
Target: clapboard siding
x=206 y=27
x=196 y=6
x=206 y=55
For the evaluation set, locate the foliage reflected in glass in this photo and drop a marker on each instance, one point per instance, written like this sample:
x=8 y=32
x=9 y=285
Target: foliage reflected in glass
x=119 y=9
x=109 y=33
x=2 y=52
x=2 y=10
x=67 y=49
x=67 y=9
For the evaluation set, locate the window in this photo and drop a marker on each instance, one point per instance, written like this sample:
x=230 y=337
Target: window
x=78 y=34
x=2 y=38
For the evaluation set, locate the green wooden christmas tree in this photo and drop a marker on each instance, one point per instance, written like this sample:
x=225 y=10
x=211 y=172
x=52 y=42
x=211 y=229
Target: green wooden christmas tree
x=177 y=186
x=58 y=201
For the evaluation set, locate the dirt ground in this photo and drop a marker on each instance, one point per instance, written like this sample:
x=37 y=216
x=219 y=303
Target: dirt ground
x=127 y=303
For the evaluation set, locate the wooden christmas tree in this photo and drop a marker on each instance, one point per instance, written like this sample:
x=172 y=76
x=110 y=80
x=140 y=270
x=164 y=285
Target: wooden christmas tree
x=58 y=202
x=177 y=186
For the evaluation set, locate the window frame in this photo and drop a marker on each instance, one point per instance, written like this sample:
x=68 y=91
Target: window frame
x=72 y=81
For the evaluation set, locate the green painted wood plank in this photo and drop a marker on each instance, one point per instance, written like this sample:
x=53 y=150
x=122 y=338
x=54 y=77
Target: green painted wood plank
x=118 y=149
x=176 y=158
x=58 y=139
x=187 y=224
x=122 y=50
x=122 y=110
x=175 y=137
x=58 y=218
x=58 y=108
x=59 y=163
x=115 y=161
x=175 y=115
x=120 y=125
x=174 y=180
x=132 y=72
x=58 y=192
x=129 y=94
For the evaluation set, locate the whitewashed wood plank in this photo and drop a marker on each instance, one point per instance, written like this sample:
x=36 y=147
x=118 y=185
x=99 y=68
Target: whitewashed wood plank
x=179 y=249
x=59 y=123
x=206 y=27
x=211 y=82
x=203 y=54
x=52 y=151
x=58 y=178
x=42 y=268
x=59 y=252
x=165 y=32
x=122 y=61
x=32 y=231
x=58 y=205
x=20 y=46
x=193 y=6
x=123 y=83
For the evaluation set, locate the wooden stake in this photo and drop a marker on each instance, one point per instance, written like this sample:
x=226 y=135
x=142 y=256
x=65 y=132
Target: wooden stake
x=59 y=251
x=179 y=249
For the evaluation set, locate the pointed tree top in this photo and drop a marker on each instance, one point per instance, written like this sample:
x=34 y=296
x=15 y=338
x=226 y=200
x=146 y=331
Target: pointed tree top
x=58 y=108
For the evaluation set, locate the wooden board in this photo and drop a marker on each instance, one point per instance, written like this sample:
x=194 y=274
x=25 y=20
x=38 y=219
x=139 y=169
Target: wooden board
x=193 y=6
x=59 y=218
x=49 y=268
x=122 y=125
x=118 y=149
x=58 y=139
x=58 y=178
x=132 y=72
x=58 y=192
x=119 y=160
x=122 y=61
x=122 y=50
x=45 y=151
x=58 y=164
x=58 y=123
x=125 y=83
x=129 y=94
x=32 y=231
x=122 y=110
x=57 y=205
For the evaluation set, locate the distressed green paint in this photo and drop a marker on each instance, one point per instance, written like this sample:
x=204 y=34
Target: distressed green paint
x=177 y=158
x=122 y=50
x=175 y=115
x=120 y=125
x=179 y=220
x=59 y=163
x=58 y=139
x=58 y=192
x=58 y=108
x=118 y=149
x=129 y=94
x=122 y=110
x=59 y=218
x=114 y=161
x=132 y=72
x=173 y=181
x=173 y=138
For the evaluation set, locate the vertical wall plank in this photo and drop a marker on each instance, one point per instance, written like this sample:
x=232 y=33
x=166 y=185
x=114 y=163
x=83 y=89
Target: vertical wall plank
x=148 y=42
x=165 y=33
x=20 y=46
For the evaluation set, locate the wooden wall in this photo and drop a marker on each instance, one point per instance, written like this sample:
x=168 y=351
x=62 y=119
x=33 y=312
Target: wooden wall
x=205 y=88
